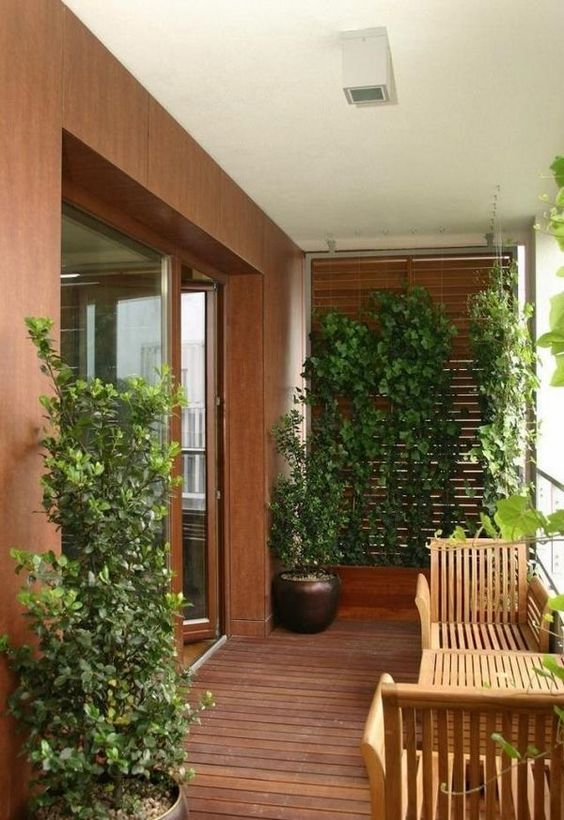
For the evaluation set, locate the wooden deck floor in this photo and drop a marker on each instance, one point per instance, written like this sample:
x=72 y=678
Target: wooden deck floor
x=283 y=740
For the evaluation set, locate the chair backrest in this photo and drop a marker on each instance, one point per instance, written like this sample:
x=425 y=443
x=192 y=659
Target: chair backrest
x=478 y=581
x=435 y=757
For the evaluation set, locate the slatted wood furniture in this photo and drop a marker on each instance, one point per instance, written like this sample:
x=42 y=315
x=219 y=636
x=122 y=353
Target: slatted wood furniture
x=480 y=598
x=418 y=738
x=493 y=669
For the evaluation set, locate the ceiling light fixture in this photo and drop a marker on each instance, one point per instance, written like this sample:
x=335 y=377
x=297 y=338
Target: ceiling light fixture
x=367 y=67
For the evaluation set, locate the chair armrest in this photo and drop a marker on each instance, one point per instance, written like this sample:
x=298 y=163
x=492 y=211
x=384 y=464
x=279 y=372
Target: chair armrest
x=423 y=603
x=537 y=609
x=373 y=752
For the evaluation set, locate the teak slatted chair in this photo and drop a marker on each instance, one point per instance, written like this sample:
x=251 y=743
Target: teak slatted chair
x=481 y=598
x=429 y=754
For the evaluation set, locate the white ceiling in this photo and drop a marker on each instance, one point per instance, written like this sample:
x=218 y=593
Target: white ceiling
x=258 y=84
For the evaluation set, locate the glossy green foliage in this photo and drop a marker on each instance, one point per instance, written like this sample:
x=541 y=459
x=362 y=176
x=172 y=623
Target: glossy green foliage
x=515 y=516
x=307 y=501
x=504 y=369
x=554 y=339
x=381 y=393
x=104 y=698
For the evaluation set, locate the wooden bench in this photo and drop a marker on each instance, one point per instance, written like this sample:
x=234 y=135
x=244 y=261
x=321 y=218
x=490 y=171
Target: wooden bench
x=480 y=598
x=429 y=754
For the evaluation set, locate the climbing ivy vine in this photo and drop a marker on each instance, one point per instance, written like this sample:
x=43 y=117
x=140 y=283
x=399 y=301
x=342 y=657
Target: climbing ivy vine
x=503 y=366
x=381 y=388
x=343 y=383
x=421 y=434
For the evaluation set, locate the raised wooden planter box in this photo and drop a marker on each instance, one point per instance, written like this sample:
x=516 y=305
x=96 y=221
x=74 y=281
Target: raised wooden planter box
x=378 y=593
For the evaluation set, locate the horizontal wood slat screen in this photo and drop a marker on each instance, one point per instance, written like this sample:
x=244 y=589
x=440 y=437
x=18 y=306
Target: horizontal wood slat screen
x=345 y=283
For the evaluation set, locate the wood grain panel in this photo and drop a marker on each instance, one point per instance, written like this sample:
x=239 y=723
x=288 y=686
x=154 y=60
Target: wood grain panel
x=181 y=173
x=246 y=441
x=104 y=105
x=252 y=629
x=30 y=136
x=284 y=742
x=242 y=223
x=374 y=593
x=284 y=323
x=345 y=283
x=92 y=178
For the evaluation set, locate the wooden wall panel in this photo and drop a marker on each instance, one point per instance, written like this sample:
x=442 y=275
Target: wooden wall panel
x=284 y=329
x=284 y=348
x=121 y=148
x=246 y=443
x=181 y=173
x=30 y=139
x=242 y=223
x=104 y=105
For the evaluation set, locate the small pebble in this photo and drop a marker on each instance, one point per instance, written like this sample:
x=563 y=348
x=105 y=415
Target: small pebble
x=151 y=806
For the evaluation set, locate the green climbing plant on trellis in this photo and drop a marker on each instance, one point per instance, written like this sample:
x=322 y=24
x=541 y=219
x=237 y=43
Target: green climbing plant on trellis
x=381 y=388
x=504 y=369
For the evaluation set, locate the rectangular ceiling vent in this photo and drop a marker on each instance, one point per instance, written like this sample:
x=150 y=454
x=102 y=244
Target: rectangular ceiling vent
x=367 y=67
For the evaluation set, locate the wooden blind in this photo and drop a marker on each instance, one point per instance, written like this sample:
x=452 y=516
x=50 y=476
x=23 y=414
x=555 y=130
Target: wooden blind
x=345 y=283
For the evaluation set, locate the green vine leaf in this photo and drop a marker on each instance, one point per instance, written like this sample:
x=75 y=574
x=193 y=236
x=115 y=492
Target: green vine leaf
x=557 y=603
x=516 y=518
x=504 y=369
x=557 y=169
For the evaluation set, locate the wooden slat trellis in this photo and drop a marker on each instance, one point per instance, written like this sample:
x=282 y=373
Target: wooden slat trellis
x=345 y=283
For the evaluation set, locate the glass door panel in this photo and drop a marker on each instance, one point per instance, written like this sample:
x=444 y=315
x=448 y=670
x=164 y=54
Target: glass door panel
x=194 y=500
x=111 y=303
x=199 y=488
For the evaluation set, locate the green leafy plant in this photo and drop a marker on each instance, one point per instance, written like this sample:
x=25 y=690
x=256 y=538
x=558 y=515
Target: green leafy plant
x=420 y=433
x=101 y=695
x=306 y=504
x=381 y=392
x=554 y=339
x=515 y=516
x=343 y=383
x=503 y=366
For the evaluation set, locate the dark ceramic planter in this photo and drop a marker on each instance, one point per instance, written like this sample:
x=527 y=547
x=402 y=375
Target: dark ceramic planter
x=306 y=606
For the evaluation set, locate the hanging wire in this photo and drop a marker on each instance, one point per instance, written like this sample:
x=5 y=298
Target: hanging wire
x=495 y=226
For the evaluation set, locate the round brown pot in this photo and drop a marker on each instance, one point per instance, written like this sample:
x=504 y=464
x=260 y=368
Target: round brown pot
x=306 y=605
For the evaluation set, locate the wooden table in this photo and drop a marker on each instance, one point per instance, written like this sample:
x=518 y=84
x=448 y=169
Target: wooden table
x=494 y=669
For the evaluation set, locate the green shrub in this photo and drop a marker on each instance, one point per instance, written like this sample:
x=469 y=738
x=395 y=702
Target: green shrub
x=104 y=698
x=306 y=503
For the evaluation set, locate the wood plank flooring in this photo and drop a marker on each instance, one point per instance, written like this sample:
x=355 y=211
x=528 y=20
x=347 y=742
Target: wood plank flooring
x=283 y=740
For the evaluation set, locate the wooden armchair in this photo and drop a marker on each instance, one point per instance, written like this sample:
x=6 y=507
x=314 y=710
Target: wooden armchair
x=429 y=754
x=481 y=598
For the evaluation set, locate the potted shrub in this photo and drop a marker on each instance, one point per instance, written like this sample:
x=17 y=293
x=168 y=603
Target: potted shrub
x=101 y=694
x=307 y=516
